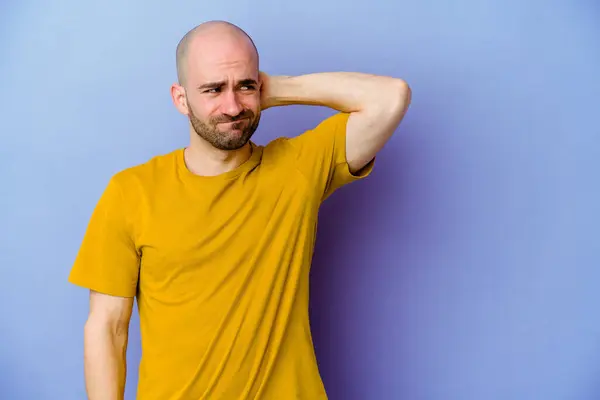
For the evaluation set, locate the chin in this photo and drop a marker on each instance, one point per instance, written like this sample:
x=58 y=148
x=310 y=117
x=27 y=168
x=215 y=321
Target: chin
x=231 y=147
x=235 y=143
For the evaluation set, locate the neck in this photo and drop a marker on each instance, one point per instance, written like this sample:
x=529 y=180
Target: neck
x=203 y=159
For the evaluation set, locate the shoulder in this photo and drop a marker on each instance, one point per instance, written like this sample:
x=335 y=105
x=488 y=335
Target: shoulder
x=138 y=177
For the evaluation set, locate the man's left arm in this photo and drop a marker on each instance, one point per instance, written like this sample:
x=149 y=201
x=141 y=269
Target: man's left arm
x=376 y=105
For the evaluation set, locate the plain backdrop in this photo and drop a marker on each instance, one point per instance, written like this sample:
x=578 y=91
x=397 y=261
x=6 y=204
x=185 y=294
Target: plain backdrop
x=465 y=268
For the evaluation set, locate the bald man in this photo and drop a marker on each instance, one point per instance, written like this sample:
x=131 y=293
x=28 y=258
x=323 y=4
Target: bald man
x=216 y=239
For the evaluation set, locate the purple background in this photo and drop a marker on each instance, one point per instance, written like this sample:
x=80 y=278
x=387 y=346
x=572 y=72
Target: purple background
x=466 y=267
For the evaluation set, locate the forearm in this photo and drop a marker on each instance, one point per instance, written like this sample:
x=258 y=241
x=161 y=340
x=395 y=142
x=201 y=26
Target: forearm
x=105 y=362
x=342 y=91
x=376 y=105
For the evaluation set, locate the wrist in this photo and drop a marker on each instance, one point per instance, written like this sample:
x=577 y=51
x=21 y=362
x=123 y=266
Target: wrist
x=277 y=91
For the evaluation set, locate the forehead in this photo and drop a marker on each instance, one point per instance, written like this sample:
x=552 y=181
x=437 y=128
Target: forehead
x=222 y=59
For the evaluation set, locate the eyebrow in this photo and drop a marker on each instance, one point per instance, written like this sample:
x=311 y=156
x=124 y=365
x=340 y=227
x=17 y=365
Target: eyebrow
x=211 y=85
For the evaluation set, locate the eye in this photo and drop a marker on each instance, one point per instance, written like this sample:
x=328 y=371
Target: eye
x=247 y=87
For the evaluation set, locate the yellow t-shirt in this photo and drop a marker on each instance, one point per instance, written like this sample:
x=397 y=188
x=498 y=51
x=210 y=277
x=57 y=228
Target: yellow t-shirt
x=220 y=266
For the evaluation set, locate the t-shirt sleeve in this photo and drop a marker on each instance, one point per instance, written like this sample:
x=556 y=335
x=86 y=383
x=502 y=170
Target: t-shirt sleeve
x=321 y=155
x=107 y=260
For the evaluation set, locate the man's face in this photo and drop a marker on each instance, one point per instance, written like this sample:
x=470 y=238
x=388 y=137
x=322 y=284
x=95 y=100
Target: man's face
x=223 y=94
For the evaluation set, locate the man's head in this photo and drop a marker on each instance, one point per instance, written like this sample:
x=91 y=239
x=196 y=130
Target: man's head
x=219 y=87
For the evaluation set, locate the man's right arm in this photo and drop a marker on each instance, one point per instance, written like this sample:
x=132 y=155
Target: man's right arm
x=105 y=346
x=108 y=265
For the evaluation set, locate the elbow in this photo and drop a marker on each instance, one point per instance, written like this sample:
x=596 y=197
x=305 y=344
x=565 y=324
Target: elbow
x=114 y=328
x=394 y=102
x=402 y=95
x=389 y=101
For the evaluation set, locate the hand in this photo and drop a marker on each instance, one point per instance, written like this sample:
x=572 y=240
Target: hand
x=265 y=96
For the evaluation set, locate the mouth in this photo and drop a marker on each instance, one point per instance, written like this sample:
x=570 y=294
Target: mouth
x=233 y=124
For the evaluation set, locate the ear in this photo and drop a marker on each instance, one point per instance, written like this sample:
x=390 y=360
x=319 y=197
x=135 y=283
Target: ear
x=179 y=98
x=262 y=77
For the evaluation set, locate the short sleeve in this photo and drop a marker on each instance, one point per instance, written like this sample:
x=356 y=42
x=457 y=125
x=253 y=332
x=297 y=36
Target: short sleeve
x=107 y=260
x=321 y=155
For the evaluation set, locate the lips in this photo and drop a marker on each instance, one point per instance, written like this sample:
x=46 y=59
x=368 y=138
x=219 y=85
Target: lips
x=232 y=125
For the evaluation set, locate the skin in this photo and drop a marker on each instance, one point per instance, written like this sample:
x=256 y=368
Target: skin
x=223 y=118
x=105 y=346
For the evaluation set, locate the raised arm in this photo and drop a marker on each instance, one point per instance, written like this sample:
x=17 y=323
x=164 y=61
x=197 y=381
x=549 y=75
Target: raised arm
x=376 y=105
x=105 y=346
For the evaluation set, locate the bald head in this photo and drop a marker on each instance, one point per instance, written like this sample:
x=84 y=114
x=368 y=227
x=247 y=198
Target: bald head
x=210 y=36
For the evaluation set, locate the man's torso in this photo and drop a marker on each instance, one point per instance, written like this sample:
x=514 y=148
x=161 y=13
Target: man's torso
x=223 y=284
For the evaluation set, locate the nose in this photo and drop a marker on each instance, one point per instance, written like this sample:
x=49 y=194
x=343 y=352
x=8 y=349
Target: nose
x=231 y=105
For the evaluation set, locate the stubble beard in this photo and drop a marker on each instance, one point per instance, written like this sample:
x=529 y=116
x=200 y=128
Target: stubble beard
x=226 y=140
